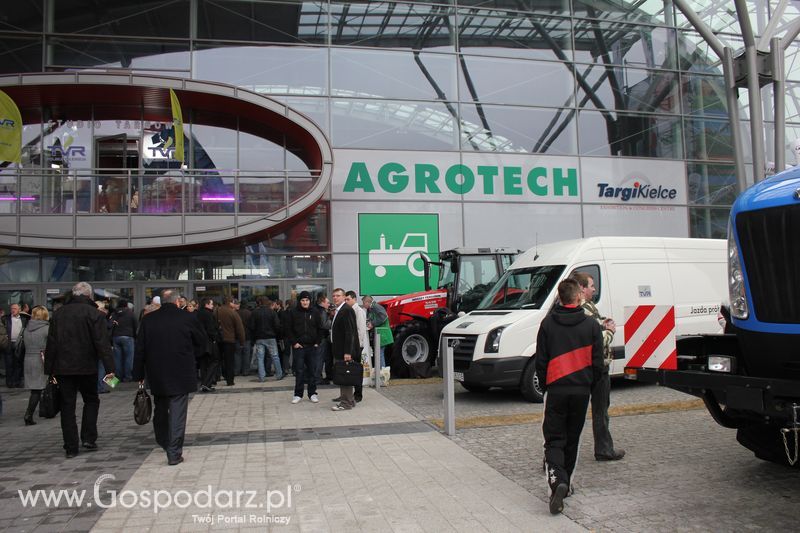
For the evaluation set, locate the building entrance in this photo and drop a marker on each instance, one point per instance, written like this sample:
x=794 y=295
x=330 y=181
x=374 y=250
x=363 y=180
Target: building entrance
x=140 y=293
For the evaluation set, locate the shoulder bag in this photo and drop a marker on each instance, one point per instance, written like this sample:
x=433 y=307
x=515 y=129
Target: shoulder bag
x=142 y=406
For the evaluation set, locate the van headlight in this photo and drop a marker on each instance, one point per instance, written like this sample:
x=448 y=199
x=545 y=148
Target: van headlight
x=493 y=340
x=736 y=286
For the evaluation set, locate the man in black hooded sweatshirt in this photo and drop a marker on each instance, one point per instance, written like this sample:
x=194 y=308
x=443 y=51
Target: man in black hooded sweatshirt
x=569 y=358
x=303 y=335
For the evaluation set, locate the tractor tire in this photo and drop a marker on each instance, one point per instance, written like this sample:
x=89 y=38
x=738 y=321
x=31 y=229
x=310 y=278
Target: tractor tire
x=475 y=388
x=531 y=390
x=412 y=348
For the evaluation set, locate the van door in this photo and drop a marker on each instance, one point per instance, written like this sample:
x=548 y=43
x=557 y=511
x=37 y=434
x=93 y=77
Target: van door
x=634 y=283
x=602 y=297
x=699 y=289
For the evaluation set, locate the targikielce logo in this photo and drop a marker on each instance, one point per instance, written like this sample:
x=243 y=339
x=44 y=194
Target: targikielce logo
x=258 y=507
x=638 y=190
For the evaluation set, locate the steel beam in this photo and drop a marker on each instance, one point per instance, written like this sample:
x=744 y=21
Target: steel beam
x=753 y=91
x=778 y=88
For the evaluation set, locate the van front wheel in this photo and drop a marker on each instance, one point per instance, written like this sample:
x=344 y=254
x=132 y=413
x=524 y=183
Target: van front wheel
x=530 y=387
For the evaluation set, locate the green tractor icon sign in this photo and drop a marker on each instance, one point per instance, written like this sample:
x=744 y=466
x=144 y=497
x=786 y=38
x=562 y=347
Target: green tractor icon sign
x=412 y=249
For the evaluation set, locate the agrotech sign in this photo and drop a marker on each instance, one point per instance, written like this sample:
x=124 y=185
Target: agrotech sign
x=460 y=179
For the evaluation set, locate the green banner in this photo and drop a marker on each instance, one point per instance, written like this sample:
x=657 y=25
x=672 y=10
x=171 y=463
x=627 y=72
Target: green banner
x=390 y=248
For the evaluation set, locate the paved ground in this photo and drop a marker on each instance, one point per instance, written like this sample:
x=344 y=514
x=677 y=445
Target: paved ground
x=425 y=400
x=682 y=472
x=384 y=467
x=376 y=468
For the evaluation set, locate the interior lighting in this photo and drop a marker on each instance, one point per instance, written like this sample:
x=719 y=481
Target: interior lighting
x=217 y=198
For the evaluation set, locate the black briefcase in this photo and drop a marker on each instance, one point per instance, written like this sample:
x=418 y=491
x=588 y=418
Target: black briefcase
x=348 y=373
x=50 y=400
x=142 y=406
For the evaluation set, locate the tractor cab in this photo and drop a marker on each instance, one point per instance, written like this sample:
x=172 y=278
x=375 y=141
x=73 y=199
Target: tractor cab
x=467 y=274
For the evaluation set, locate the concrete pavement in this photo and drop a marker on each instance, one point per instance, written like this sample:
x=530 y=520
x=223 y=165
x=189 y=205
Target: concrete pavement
x=255 y=462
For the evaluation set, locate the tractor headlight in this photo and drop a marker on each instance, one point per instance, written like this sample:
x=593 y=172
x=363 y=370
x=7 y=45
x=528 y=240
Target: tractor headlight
x=736 y=286
x=493 y=340
x=721 y=363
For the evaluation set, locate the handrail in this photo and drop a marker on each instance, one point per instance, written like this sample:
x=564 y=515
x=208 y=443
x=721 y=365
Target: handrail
x=71 y=191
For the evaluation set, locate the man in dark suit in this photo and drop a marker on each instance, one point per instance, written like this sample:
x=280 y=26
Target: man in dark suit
x=169 y=341
x=209 y=363
x=344 y=344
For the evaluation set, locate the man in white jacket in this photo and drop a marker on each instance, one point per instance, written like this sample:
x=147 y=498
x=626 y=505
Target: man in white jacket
x=351 y=299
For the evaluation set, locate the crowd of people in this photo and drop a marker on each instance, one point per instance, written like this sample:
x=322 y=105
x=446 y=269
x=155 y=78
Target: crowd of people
x=175 y=347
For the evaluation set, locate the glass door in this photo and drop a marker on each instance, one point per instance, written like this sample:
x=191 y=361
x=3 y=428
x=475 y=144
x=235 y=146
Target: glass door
x=211 y=289
x=21 y=296
x=250 y=292
x=293 y=289
x=151 y=290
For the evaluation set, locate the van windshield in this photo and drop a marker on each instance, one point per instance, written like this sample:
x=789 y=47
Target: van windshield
x=523 y=288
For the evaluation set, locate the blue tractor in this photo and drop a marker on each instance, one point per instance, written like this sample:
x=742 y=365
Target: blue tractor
x=749 y=379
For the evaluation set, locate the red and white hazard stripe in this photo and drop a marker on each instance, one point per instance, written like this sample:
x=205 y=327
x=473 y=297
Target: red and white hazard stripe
x=650 y=337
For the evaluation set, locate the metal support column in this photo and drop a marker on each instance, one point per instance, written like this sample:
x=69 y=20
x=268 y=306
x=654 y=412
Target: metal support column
x=733 y=114
x=449 y=385
x=376 y=360
x=778 y=87
x=753 y=91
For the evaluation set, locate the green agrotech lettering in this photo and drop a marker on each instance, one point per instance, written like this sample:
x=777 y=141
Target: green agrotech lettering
x=461 y=179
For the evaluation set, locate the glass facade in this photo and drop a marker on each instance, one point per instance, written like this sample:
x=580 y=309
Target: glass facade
x=568 y=77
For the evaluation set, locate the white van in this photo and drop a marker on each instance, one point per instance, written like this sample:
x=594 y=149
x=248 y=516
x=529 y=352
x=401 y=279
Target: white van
x=497 y=341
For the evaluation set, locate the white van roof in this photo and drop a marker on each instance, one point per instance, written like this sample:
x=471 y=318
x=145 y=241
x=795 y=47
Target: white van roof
x=591 y=248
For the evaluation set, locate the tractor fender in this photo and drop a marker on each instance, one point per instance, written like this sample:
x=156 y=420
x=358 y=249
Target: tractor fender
x=416 y=317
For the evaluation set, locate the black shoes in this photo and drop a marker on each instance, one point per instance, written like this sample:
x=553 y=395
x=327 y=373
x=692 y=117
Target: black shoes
x=207 y=389
x=358 y=398
x=337 y=399
x=178 y=460
x=71 y=454
x=29 y=421
x=616 y=455
x=557 y=498
x=90 y=446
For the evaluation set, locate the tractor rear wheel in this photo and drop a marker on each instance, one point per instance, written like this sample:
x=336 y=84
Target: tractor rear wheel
x=412 y=346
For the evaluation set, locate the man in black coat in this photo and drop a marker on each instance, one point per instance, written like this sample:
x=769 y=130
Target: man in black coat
x=78 y=338
x=168 y=343
x=344 y=345
x=209 y=363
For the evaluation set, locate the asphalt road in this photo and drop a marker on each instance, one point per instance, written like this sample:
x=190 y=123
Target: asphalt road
x=682 y=471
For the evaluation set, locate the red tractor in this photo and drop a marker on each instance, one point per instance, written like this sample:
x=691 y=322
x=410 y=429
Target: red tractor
x=417 y=319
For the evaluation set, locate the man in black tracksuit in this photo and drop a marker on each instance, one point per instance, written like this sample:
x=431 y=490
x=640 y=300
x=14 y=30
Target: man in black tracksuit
x=303 y=335
x=569 y=358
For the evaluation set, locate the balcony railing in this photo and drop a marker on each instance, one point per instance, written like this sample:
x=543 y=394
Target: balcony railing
x=148 y=192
